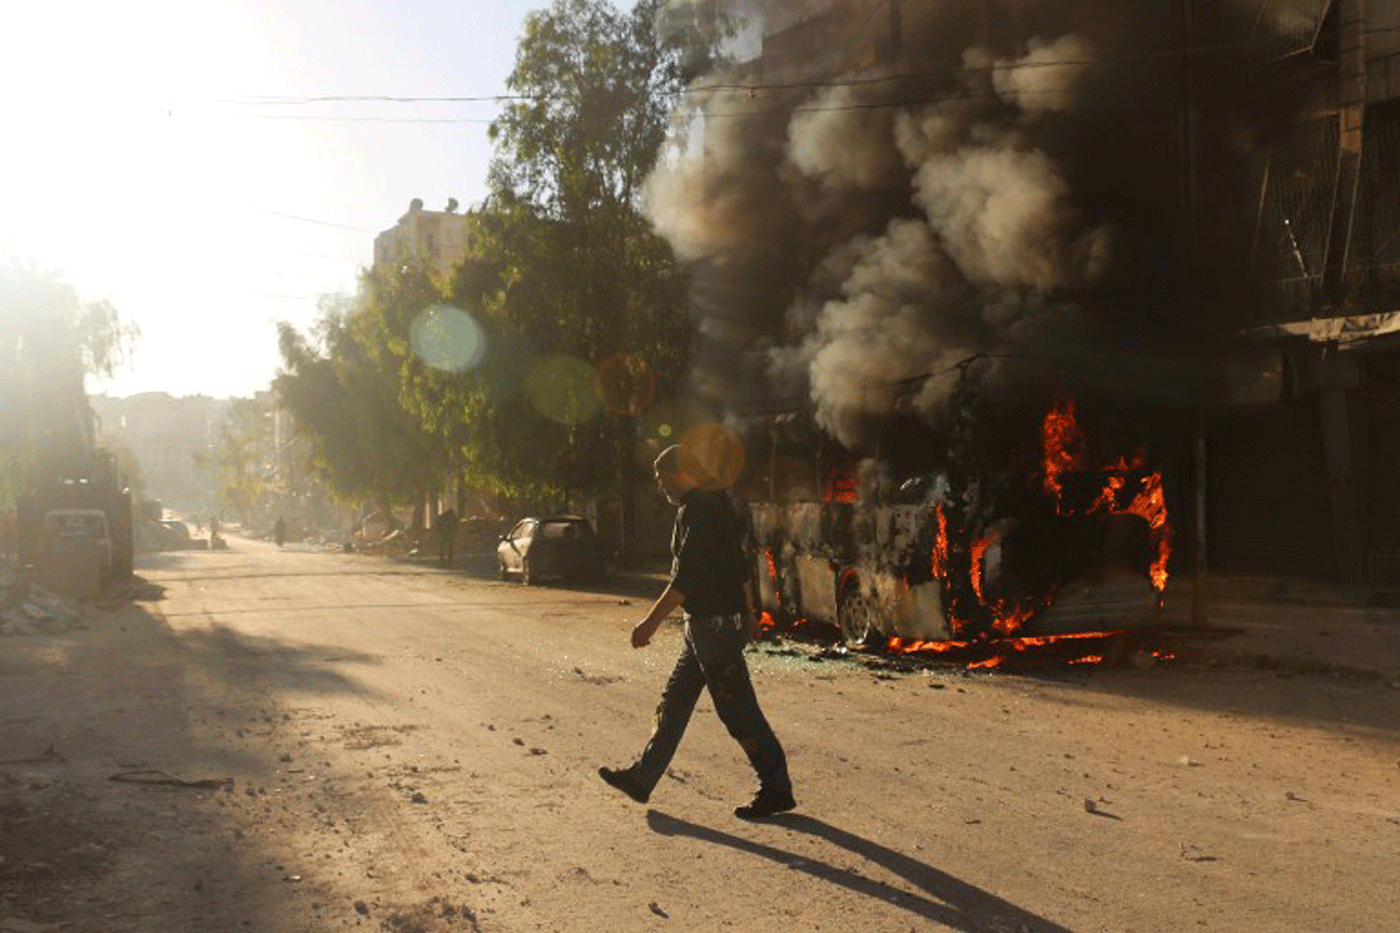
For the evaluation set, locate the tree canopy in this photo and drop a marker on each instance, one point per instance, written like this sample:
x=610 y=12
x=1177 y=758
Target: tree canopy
x=49 y=341
x=525 y=372
x=345 y=400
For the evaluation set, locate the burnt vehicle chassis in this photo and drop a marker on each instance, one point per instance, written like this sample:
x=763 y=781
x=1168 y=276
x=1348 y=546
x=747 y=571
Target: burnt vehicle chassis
x=934 y=547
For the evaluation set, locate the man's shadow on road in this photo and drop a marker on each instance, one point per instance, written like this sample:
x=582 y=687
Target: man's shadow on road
x=951 y=902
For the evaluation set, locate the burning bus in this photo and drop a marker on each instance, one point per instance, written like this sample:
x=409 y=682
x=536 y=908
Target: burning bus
x=946 y=537
x=966 y=243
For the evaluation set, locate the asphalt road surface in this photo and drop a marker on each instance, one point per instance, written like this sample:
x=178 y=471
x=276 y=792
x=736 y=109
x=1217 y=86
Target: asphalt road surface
x=287 y=740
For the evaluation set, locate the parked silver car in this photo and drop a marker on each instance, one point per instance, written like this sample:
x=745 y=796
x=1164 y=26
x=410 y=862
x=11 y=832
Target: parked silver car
x=559 y=546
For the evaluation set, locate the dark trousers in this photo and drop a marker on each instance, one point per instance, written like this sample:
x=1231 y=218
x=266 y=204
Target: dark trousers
x=713 y=657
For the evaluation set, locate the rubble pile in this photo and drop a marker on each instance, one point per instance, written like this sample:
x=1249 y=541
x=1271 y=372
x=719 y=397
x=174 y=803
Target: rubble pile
x=154 y=535
x=26 y=609
x=397 y=543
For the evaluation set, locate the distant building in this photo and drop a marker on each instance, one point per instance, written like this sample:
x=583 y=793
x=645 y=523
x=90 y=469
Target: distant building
x=165 y=434
x=439 y=238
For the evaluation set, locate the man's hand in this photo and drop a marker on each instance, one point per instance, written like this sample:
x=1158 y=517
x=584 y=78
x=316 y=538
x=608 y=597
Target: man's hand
x=665 y=604
x=642 y=632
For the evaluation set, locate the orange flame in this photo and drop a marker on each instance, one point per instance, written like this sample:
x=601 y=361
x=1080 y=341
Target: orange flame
x=840 y=486
x=1112 y=487
x=1151 y=506
x=993 y=653
x=979 y=553
x=773 y=575
x=1063 y=446
x=1063 y=452
x=940 y=547
x=1008 y=619
x=901 y=646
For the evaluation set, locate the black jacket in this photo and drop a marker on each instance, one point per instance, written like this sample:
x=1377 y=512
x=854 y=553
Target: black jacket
x=708 y=563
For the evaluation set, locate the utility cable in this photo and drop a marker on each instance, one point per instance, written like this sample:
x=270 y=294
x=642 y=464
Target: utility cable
x=855 y=81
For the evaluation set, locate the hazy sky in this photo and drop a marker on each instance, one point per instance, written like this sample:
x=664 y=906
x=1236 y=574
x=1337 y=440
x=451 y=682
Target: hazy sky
x=161 y=154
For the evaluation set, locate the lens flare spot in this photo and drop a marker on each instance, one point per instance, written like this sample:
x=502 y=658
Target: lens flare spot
x=663 y=421
x=447 y=338
x=626 y=384
x=561 y=389
x=719 y=450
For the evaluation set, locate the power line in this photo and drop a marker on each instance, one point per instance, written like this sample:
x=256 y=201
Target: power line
x=862 y=81
x=274 y=296
x=308 y=220
x=758 y=111
x=752 y=88
x=312 y=118
x=289 y=100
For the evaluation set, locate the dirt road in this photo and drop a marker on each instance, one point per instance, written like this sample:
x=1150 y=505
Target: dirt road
x=304 y=741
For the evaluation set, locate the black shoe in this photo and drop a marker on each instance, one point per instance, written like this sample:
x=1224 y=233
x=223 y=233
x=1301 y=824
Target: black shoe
x=623 y=780
x=766 y=803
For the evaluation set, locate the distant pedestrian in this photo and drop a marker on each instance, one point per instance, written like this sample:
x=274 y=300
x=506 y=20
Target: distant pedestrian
x=710 y=580
x=447 y=536
x=279 y=531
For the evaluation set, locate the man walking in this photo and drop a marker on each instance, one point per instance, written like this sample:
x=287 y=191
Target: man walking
x=710 y=581
x=447 y=536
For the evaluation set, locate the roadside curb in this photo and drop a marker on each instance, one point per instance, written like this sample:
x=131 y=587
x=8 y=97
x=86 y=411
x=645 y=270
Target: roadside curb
x=1260 y=588
x=1219 y=654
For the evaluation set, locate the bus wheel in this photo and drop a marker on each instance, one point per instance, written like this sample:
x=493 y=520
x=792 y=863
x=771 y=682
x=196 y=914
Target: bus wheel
x=856 y=613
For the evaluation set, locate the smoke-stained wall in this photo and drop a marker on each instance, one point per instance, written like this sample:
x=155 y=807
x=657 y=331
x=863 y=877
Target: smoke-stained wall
x=892 y=187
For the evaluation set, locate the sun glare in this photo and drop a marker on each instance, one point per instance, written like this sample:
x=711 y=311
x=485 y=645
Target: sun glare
x=123 y=169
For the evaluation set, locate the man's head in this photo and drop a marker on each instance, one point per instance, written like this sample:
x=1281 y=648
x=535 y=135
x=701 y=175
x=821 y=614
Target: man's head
x=677 y=472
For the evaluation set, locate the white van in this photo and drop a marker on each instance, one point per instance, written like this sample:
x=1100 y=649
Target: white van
x=82 y=523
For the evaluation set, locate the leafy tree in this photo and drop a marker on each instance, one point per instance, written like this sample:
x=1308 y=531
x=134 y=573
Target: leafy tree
x=452 y=399
x=565 y=288
x=344 y=395
x=565 y=272
x=239 y=458
x=49 y=340
x=127 y=463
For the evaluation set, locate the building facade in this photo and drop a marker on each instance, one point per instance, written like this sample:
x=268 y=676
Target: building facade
x=1306 y=480
x=436 y=238
x=166 y=435
x=1278 y=128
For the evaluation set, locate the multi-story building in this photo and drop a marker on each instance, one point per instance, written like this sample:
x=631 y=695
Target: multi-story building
x=436 y=238
x=166 y=435
x=1273 y=129
x=1309 y=483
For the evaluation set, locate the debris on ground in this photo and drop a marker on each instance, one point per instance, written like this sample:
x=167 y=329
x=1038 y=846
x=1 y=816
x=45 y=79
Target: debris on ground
x=15 y=925
x=27 y=609
x=151 y=776
x=397 y=543
x=48 y=755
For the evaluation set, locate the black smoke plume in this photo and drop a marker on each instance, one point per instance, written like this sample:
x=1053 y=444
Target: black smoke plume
x=893 y=187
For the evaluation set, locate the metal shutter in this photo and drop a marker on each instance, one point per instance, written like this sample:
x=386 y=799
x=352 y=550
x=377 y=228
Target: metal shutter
x=1267 y=501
